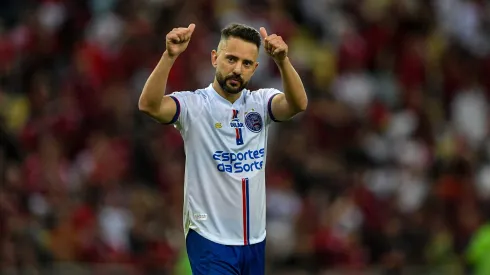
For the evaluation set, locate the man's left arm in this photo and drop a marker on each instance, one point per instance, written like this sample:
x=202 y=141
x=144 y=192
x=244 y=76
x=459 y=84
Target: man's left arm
x=293 y=100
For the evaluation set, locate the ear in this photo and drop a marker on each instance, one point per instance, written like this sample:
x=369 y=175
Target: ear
x=214 y=58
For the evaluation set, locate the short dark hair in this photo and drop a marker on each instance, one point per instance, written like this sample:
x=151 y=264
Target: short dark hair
x=243 y=32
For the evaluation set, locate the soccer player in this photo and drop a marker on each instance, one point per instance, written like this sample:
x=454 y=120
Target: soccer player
x=225 y=127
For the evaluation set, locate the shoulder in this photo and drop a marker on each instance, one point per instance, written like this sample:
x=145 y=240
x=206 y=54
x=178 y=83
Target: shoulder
x=264 y=91
x=263 y=94
x=194 y=96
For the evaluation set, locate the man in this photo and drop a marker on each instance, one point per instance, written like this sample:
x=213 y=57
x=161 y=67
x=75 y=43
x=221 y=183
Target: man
x=225 y=128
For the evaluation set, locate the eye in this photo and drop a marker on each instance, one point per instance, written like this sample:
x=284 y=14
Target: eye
x=247 y=64
x=230 y=59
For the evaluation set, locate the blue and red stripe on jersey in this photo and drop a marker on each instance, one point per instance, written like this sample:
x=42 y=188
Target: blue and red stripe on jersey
x=246 y=211
x=238 y=130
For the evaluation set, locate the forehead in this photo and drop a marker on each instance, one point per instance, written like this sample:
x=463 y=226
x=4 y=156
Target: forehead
x=240 y=48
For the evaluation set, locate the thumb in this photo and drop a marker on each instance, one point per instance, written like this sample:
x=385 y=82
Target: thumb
x=263 y=32
x=191 y=28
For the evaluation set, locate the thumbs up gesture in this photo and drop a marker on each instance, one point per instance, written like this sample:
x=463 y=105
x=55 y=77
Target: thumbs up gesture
x=274 y=45
x=178 y=39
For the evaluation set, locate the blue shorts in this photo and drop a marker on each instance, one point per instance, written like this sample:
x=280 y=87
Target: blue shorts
x=209 y=258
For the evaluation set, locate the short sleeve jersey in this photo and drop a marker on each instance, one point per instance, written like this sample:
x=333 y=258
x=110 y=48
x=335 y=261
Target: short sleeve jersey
x=226 y=147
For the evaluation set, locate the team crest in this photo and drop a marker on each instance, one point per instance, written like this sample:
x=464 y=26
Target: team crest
x=253 y=121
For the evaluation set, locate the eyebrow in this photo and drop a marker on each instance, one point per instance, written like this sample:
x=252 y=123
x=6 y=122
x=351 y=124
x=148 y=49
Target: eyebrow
x=231 y=55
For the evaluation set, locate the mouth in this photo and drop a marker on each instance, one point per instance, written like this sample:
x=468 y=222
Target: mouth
x=234 y=82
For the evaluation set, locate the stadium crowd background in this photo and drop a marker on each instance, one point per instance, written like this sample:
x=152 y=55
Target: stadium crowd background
x=388 y=170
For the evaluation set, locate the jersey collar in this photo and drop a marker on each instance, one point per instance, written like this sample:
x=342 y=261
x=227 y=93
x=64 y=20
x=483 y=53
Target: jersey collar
x=214 y=93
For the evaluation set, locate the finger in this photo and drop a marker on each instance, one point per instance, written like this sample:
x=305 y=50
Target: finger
x=185 y=33
x=173 y=37
x=263 y=32
x=181 y=36
x=188 y=31
x=268 y=48
x=191 y=28
x=267 y=44
x=270 y=41
x=277 y=40
x=271 y=45
x=277 y=51
x=274 y=40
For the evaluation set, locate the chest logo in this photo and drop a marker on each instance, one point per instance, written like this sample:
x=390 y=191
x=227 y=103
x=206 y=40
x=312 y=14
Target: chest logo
x=254 y=122
x=235 y=123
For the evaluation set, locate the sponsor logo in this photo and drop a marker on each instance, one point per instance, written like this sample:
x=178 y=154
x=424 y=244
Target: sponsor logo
x=218 y=125
x=245 y=161
x=235 y=123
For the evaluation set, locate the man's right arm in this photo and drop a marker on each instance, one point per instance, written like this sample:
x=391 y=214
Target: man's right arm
x=153 y=101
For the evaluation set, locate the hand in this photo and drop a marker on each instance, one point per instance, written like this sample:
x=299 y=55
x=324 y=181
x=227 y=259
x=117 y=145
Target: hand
x=178 y=39
x=274 y=45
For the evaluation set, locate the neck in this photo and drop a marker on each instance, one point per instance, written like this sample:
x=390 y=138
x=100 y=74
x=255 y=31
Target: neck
x=230 y=97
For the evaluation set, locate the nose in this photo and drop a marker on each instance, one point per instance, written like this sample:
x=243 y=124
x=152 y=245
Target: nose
x=238 y=68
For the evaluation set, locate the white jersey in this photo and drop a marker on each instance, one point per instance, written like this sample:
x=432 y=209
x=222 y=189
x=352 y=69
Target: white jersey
x=226 y=148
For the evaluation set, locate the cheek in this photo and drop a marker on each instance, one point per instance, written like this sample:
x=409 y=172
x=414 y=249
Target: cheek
x=224 y=67
x=248 y=74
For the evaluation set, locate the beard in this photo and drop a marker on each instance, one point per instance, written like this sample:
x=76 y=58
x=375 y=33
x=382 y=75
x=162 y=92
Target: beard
x=225 y=83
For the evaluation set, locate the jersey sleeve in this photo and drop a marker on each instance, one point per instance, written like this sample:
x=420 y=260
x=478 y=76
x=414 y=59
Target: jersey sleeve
x=185 y=102
x=267 y=96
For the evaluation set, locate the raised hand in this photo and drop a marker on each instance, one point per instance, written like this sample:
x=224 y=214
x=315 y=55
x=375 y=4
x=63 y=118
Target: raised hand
x=274 y=45
x=178 y=39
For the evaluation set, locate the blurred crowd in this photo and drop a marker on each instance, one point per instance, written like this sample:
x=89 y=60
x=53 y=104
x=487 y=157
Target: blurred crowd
x=387 y=171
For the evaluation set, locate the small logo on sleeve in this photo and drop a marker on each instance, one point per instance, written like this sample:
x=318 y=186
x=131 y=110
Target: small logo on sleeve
x=200 y=216
x=253 y=121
